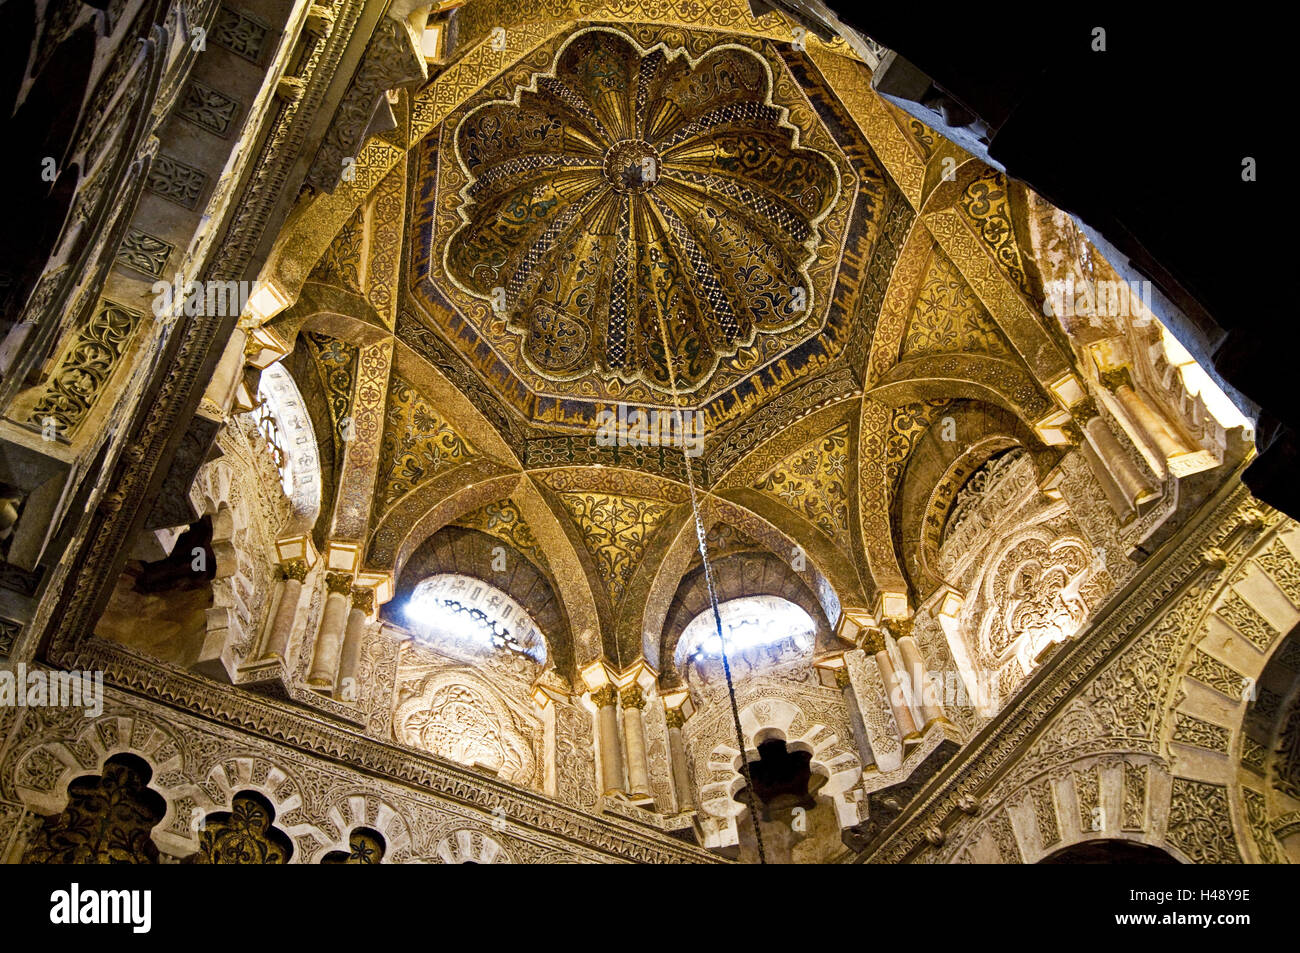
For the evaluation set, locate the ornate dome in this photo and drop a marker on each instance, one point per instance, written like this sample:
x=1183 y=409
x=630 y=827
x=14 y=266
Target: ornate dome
x=628 y=187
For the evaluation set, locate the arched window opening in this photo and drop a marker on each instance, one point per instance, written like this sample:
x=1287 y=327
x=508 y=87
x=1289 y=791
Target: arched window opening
x=751 y=626
x=451 y=609
x=285 y=425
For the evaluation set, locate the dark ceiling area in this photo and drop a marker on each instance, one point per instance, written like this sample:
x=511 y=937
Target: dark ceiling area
x=1145 y=143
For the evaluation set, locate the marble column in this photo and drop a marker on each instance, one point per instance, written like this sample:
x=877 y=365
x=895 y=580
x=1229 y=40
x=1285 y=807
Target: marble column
x=677 y=753
x=863 y=743
x=1128 y=477
x=229 y=371
x=911 y=652
x=638 y=765
x=286 y=613
x=354 y=637
x=605 y=699
x=1150 y=421
x=329 y=637
x=875 y=644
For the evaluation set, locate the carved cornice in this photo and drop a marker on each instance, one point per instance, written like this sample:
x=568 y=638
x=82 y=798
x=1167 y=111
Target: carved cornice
x=993 y=752
x=312 y=734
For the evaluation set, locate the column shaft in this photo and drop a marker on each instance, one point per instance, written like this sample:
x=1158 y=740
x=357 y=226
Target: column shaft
x=911 y=652
x=611 y=754
x=856 y=724
x=677 y=753
x=1153 y=424
x=1128 y=477
x=893 y=690
x=363 y=603
x=329 y=637
x=354 y=637
x=638 y=765
x=286 y=613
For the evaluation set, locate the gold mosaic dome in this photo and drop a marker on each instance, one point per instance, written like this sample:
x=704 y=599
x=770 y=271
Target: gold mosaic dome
x=628 y=195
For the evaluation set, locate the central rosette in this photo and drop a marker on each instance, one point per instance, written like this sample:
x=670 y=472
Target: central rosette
x=632 y=165
x=628 y=195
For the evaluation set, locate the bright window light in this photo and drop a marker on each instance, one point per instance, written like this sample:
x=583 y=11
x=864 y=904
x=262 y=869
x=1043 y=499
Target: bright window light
x=451 y=609
x=283 y=420
x=1199 y=383
x=748 y=623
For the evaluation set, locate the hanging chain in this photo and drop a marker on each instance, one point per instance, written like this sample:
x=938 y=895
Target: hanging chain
x=750 y=796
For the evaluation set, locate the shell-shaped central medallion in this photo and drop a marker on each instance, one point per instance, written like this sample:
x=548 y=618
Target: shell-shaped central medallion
x=628 y=197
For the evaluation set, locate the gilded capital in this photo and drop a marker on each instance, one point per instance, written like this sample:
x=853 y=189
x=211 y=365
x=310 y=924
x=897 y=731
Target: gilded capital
x=1115 y=378
x=1084 y=411
x=873 y=640
x=675 y=717
x=842 y=677
x=604 y=696
x=363 y=598
x=339 y=582
x=899 y=628
x=294 y=569
x=632 y=696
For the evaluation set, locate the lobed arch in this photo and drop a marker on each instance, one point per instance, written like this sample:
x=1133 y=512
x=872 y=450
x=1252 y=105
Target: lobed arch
x=40 y=775
x=833 y=758
x=242 y=549
x=350 y=810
